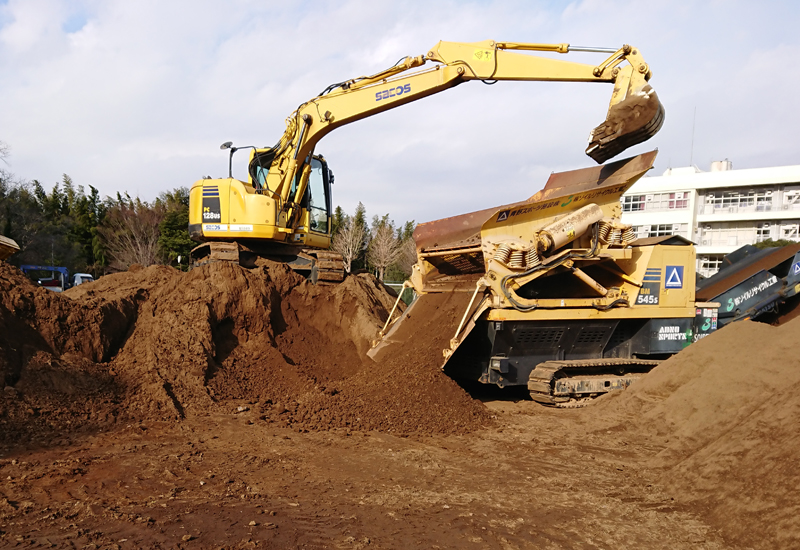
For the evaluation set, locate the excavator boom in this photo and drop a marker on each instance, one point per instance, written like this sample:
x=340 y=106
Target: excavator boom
x=286 y=204
x=635 y=114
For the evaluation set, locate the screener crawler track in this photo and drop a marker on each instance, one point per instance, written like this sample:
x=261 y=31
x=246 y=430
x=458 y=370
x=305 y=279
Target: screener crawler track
x=575 y=383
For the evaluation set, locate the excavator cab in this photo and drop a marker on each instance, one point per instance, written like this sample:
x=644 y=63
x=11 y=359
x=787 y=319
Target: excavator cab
x=316 y=201
x=315 y=204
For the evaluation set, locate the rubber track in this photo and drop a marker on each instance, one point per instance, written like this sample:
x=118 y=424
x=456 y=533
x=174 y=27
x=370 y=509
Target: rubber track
x=541 y=380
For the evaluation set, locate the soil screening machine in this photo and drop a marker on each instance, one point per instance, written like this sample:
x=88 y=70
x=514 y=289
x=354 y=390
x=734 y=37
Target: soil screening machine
x=557 y=293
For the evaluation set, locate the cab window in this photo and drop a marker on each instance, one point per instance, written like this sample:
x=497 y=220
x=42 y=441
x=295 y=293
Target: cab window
x=318 y=200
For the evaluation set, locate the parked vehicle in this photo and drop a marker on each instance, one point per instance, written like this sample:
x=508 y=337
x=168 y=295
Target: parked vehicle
x=80 y=278
x=53 y=278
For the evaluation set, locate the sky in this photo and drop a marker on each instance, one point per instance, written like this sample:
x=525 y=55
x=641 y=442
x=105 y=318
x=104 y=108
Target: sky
x=137 y=96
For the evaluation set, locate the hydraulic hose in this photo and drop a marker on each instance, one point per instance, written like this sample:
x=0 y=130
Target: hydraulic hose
x=504 y=281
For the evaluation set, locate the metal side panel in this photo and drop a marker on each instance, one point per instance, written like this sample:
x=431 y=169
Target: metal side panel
x=711 y=289
x=760 y=289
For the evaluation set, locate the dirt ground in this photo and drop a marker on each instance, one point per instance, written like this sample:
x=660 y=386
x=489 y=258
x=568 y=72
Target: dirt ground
x=228 y=408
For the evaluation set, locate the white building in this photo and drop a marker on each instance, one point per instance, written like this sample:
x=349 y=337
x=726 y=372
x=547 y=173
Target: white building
x=719 y=210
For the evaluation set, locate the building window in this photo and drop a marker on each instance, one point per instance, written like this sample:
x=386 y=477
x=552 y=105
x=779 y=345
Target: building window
x=763 y=232
x=732 y=199
x=791 y=199
x=789 y=231
x=666 y=201
x=660 y=230
x=741 y=201
x=656 y=201
x=709 y=265
x=763 y=201
x=634 y=203
x=734 y=233
x=678 y=200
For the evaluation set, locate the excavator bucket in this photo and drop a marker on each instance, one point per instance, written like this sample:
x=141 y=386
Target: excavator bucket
x=633 y=120
x=7 y=247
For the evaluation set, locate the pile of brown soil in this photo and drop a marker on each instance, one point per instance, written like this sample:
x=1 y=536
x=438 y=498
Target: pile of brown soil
x=159 y=344
x=53 y=354
x=724 y=412
x=405 y=383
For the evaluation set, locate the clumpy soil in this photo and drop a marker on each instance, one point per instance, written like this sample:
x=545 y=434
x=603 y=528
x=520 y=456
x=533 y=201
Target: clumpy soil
x=234 y=408
x=158 y=344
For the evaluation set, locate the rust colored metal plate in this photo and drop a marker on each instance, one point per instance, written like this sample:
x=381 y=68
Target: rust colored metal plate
x=464 y=230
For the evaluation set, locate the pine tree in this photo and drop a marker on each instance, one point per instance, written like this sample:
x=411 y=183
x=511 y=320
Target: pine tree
x=360 y=221
x=338 y=220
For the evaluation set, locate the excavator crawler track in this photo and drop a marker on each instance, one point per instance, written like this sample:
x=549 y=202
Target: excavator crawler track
x=329 y=266
x=569 y=384
x=320 y=266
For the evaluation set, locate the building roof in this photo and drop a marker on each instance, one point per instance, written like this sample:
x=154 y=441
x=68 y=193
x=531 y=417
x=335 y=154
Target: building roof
x=685 y=178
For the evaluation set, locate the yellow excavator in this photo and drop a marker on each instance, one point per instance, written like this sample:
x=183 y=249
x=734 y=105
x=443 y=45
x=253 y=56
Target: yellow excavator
x=283 y=211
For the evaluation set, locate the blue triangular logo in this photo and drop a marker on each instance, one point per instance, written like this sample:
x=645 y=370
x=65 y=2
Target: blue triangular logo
x=674 y=277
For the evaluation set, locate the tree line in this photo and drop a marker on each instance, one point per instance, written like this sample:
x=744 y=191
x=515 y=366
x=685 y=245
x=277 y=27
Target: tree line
x=71 y=227
x=381 y=247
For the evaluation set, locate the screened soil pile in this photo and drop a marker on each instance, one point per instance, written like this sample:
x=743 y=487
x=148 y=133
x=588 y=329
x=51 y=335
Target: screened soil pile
x=158 y=344
x=724 y=411
x=406 y=380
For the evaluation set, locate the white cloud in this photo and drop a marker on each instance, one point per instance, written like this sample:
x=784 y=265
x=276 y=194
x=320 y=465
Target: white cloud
x=138 y=96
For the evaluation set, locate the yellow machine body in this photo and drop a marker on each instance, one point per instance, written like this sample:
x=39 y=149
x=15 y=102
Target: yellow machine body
x=557 y=293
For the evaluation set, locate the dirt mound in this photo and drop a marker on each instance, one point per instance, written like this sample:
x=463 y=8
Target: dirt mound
x=296 y=350
x=159 y=344
x=33 y=319
x=404 y=390
x=724 y=410
x=54 y=352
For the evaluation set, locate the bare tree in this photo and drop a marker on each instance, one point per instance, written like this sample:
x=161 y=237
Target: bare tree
x=5 y=151
x=384 y=248
x=130 y=233
x=407 y=256
x=349 y=241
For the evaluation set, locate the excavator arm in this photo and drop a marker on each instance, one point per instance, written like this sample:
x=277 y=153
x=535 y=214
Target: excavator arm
x=635 y=113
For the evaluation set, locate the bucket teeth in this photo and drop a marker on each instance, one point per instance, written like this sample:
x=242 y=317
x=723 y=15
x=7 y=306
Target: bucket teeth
x=629 y=122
